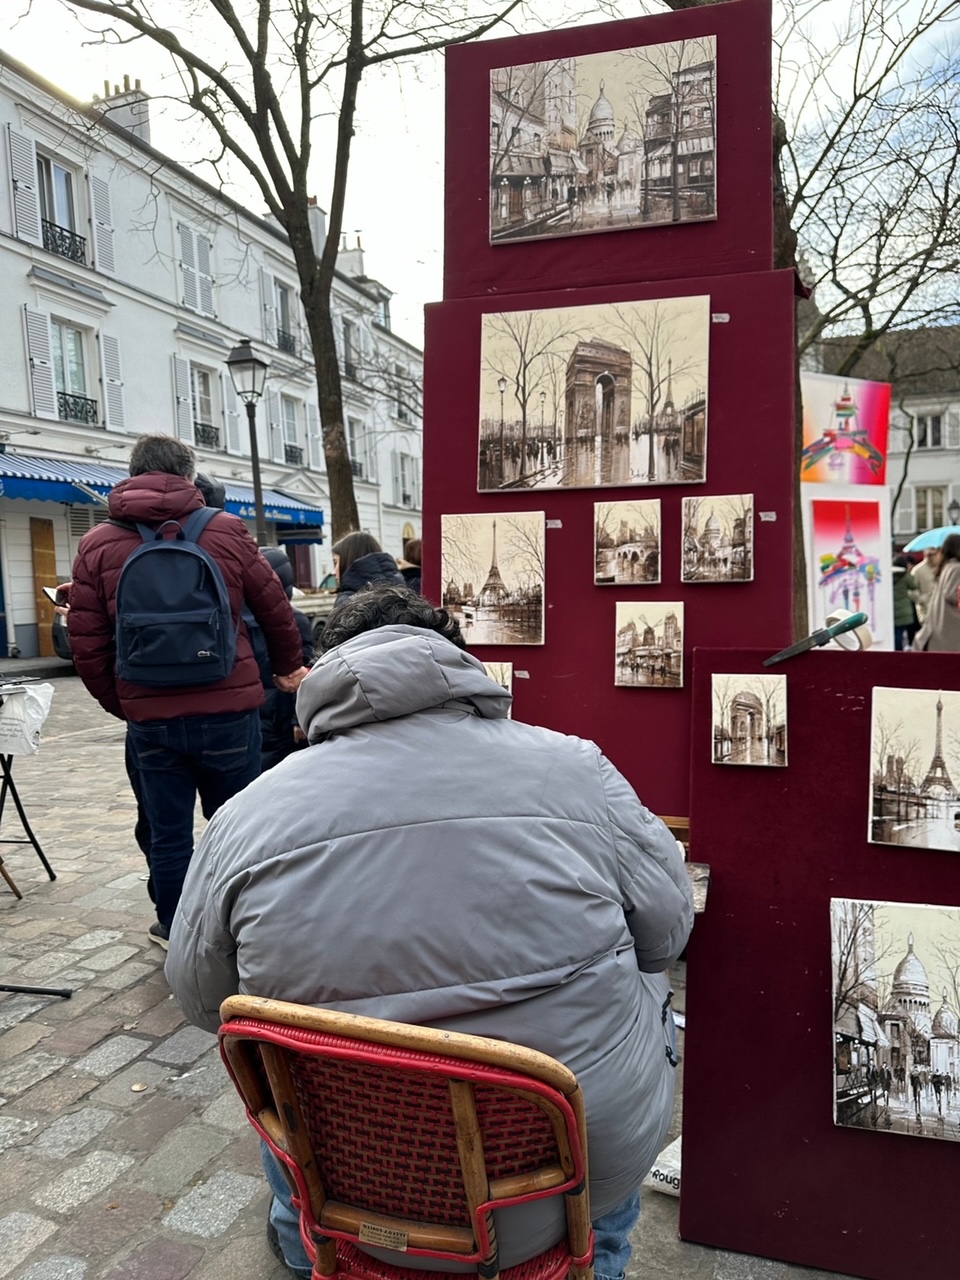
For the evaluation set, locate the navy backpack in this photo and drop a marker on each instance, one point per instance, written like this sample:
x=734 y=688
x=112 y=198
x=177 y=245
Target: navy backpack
x=175 y=625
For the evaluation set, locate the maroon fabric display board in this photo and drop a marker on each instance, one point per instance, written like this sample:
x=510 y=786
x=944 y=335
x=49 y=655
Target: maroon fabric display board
x=644 y=731
x=740 y=239
x=765 y=1170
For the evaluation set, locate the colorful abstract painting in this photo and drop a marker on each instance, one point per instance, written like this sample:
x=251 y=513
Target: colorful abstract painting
x=848 y=566
x=846 y=423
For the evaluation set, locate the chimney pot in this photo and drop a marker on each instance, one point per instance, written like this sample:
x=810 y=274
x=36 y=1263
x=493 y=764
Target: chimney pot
x=106 y=88
x=126 y=84
x=136 y=84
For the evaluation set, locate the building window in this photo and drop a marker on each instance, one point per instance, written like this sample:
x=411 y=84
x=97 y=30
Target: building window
x=196 y=270
x=929 y=432
x=400 y=403
x=931 y=502
x=406 y=480
x=286 y=338
x=58 y=211
x=70 y=376
x=350 y=350
x=292 y=451
x=201 y=402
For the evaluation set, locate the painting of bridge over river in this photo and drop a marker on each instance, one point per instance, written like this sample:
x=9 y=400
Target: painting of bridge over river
x=492 y=567
x=627 y=543
x=915 y=756
x=594 y=396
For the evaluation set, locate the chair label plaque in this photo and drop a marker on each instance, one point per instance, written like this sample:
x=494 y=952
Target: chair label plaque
x=385 y=1237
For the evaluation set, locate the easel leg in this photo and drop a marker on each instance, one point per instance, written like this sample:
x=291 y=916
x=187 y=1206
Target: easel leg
x=6 y=764
x=9 y=879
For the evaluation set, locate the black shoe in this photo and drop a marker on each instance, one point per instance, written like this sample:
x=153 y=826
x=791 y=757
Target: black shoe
x=159 y=934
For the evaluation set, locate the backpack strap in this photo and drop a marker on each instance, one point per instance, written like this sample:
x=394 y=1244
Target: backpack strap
x=195 y=523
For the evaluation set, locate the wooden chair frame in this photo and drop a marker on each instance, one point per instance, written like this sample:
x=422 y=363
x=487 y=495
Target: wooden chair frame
x=255 y=1043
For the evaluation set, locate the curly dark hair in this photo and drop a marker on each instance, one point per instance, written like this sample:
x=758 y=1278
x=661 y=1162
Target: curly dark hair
x=380 y=604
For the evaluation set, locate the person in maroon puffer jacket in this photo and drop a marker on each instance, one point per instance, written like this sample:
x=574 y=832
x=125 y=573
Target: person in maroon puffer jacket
x=190 y=740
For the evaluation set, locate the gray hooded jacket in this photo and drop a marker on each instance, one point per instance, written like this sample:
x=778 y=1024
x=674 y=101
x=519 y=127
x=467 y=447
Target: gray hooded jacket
x=428 y=860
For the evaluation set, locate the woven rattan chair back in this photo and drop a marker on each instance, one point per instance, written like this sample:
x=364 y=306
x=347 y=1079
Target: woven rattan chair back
x=406 y=1138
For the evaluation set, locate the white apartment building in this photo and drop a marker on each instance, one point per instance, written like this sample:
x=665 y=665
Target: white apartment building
x=125 y=283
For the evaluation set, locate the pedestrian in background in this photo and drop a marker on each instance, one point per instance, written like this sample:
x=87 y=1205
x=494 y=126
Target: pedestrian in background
x=409 y=566
x=280 y=730
x=905 y=622
x=940 y=632
x=358 y=561
x=924 y=577
x=190 y=738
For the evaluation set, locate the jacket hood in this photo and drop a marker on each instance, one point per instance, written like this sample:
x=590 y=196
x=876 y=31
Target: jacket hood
x=154 y=497
x=377 y=566
x=391 y=672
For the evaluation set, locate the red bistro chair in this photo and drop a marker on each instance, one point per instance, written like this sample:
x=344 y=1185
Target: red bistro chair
x=406 y=1139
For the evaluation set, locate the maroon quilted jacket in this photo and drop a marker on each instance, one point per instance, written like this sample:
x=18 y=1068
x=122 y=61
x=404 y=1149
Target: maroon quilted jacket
x=151 y=499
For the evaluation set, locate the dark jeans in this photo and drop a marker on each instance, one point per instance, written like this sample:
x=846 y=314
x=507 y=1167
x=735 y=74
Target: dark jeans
x=141 y=831
x=211 y=756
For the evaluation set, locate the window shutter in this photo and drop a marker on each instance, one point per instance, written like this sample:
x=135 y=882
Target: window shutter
x=40 y=360
x=274 y=427
x=112 y=382
x=102 y=225
x=397 y=487
x=204 y=275
x=952 y=431
x=188 y=267
x=268 y=303
x=315 y=458
x=904 y=520
x=416 y=465
x=26 y=189
x=181 y=394
x=231 y=415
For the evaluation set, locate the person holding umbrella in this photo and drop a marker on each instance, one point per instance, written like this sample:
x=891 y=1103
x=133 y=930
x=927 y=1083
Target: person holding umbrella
x=940 y=632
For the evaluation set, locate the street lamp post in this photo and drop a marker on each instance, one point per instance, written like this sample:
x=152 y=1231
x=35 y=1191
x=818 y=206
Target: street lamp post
x=953 y=511
x=502 y=384
x=248 y=374
x=543 y=401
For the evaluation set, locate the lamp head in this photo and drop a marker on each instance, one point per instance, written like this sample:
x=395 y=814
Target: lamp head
x=953 y=511
x=248 y=372
x=502 y=384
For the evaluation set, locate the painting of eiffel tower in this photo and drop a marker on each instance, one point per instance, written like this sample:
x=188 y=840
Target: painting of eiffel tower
x=493 y=575
x=915 y=753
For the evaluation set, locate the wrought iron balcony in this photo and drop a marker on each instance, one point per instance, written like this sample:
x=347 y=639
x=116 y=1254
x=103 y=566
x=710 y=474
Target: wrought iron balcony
x=64 y=242
x=286 y=342
x=356 y=468
x=206 y=435
x=78 y=409
x=293 y=455
x=350 y=370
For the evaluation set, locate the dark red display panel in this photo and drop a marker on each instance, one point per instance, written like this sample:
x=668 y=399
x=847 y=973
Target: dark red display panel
x=571 y=686
x=765 y=1170
x=740 y=239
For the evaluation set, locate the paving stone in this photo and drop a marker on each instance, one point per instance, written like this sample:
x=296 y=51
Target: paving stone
x=118 y=1091
x=20 y=1038
x=247 y=1255
x=57 y=1093
x=209 y=1209
x=13 y=1128
x=179 y=1158
x=154 y=1117
x=203 y=1081
x=93 y=1174
x=71 y=1132
x=161 y=1019
x=78 y=1037
x=43 y=967
x=16 y=1008
x=56 y=1268
x=114 y=1222
x=129 y=973
x=162 y=1260
x=243 y=1154
x=96 y=939
x=109 y=957
x=112 y=1055
x=184 y=1047
x=20 y=1234
x=227 y=1112
x=27 y=1070
x=19 y=1171
x=60 y=1010
x=132 y=1003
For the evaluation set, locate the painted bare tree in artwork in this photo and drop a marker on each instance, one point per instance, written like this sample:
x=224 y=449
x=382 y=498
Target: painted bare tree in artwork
x=854 y=956
x=461 y=564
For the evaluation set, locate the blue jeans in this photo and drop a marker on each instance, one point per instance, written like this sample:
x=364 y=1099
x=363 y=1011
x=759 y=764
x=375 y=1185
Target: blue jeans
x=214 y=756
x=611 y=1231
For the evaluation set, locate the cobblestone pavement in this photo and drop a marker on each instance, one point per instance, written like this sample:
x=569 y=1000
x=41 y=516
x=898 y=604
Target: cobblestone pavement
x=124 y=1151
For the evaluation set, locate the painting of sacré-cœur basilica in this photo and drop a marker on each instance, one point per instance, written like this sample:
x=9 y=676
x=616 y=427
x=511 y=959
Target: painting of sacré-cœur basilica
x=604 y=142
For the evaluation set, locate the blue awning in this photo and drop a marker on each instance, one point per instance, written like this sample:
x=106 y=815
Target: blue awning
x=72 y=481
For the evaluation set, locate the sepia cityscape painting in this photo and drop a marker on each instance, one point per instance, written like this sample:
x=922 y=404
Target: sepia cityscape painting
x=604 y=142
x=915 y=763
x=627 y=543
x=649 y=644
x=896 y=995
x=492 y=567
x=594 y=396
x=750 y=720
x=718 y=539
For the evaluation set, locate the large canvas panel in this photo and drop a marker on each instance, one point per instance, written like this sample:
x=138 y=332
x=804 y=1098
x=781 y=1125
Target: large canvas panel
x=849 y=557
x=626 y=543
x=594 y=396
x=492 y=567
x=749 y=720
x=915 y=768
x=846 y=426
x=604 y=141
x=896 y=991
x=649 y=644
x=718 y=539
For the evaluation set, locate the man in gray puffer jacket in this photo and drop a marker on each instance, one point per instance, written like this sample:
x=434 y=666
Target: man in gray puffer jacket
x=520 y=891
